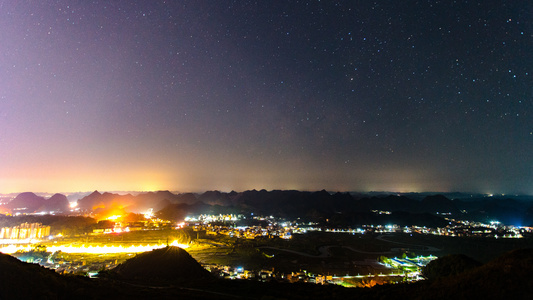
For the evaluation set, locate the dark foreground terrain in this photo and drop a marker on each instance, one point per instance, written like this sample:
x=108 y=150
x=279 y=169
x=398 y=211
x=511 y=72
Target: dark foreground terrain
x=171 y=273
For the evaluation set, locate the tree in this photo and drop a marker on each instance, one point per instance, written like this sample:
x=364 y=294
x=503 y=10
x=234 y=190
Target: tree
x=133 y=217
x=105 y=224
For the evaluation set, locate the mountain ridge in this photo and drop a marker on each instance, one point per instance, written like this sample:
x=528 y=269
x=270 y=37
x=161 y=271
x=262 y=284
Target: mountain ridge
x=291 y=204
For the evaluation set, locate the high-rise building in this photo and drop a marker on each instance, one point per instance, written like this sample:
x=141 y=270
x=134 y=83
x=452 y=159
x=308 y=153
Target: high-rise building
x=25 y=231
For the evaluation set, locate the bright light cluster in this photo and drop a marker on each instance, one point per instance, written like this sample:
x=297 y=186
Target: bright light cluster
x=93 y=249
x=114 y=217
x=212 y=218
x=149 y=214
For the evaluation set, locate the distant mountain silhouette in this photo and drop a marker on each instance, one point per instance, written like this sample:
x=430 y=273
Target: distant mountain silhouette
x=89 y=201
x=439 y=203
x=56 y=203
x=393 y=203
x=215 y=197
x=504 y=209
x=140 y=203
x=30 y=203
x=162 y=265
x=26 y=203
x=184 y=198
x=173 y=212
x=315 y=206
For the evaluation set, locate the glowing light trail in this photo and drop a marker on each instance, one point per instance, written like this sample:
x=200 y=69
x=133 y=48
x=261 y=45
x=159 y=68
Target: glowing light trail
x=93 y=249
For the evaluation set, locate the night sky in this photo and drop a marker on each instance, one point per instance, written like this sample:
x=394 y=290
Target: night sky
x=309 y=95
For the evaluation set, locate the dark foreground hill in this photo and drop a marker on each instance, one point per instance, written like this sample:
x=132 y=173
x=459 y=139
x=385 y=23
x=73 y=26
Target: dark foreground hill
x=169 y=264
x=20 y=280
x=27 y=280
x=508 y=276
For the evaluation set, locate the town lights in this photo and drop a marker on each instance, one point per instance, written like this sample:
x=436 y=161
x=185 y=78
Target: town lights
x=114 y=217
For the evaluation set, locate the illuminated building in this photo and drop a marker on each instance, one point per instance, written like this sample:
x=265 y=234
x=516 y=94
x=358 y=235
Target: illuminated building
x=25 y=231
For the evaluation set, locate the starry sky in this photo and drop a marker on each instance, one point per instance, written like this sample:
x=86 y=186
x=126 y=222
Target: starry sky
x=235 y=95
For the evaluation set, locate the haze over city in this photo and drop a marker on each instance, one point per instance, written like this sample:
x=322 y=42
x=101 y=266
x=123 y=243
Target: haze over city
x=236 y=95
